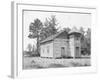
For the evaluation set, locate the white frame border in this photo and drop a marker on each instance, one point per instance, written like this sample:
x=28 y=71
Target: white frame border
x=16 y=67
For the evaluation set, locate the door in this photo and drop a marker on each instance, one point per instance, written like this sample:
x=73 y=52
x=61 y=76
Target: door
x=62 y=51
x=77 y=52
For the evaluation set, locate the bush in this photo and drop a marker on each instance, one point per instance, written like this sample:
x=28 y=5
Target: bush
x=67 y=57
x=35 y=55
x=55 y=65
x=27 y=53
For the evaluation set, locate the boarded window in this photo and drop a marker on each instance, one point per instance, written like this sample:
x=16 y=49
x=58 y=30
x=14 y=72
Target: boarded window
x=77 y=52
x=62 y=51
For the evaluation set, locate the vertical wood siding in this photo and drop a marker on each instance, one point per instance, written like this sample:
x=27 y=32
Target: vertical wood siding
x=58 y=43
x=73 y=44
x=72 y=47
x=44 y=50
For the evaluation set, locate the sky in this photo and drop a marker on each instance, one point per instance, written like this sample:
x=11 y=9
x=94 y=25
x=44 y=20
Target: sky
x=64 y=19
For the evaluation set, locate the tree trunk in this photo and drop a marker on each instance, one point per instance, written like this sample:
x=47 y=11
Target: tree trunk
x=38 y=46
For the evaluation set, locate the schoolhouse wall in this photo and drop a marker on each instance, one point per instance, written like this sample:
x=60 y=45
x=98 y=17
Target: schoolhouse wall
x=46 y=50
x=78 y=44
x=74 y=42
x=72 y=47
x=58 y=43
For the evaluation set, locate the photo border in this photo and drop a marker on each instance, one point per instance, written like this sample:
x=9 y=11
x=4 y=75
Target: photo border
x=17 y=39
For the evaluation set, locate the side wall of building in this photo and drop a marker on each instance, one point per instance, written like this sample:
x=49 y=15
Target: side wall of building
x=72 y=47
x=58 y=44
x=78 y=44
x=46 y=50
x=74 y=44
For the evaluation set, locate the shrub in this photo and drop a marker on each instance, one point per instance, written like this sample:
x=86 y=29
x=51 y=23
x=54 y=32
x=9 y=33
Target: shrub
x=68 y=57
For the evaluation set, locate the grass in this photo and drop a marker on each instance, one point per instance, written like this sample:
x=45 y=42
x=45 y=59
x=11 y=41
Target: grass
x=55 y=65
x=39 y=63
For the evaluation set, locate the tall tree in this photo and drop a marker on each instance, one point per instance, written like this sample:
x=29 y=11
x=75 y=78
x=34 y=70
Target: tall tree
x=67 y=29
x=82 y=30
x=82 y=37
x=33 y=49
x=29 y=47
x=83 y=42
x=35 y=29
x=88 y=38
x=50 y=26
x=86 y=41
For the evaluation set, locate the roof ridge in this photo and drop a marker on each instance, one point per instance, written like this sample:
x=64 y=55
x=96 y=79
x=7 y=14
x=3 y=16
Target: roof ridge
x=52 y=36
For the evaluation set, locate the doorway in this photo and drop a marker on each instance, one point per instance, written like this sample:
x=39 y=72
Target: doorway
x=77 y=53
x=62 y=51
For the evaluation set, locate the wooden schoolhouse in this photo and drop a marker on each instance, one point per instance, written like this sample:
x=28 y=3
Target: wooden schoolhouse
x=62 y=44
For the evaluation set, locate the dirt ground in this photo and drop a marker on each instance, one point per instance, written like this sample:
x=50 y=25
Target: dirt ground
x=38 y=62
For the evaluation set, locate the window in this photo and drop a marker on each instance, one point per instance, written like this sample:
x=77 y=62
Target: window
x=77 y=53
x=43 y=50
x=62 y=51
x=77 y=38
x=48 y=49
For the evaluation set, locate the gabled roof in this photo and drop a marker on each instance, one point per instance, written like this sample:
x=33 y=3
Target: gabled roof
x=52 y=37
x=74 y=30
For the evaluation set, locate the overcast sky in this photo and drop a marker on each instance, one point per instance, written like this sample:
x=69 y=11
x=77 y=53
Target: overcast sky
x=64 y=19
